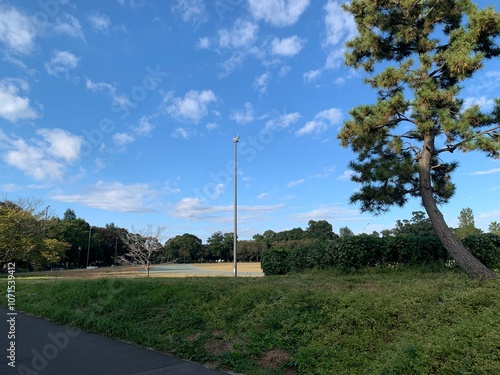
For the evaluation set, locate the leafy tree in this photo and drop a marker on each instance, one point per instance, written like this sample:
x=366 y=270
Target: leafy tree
x=290 y=235
x=143 y=246
x=386 y=232
x=425 y=49
x=250 y=251
x=321 y=230
x=494 y=228
x=419 y=225
x=187 y=246
x=221 y=245
x=466 y=224
x=69 y=215
x=268 y=237
x=345 y=232
x=23 y=234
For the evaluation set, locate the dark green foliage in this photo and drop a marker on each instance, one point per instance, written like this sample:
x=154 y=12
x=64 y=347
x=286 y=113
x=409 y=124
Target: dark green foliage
x=308 y=255
x=419 y=225
x=355 y=252
x=414 y=250
x=275 y=261
x=485 y=247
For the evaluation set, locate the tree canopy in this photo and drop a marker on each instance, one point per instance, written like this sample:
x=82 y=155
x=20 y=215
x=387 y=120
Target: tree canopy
x=417 y=54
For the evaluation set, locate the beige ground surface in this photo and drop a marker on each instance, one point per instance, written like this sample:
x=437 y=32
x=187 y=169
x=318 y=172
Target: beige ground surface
x=167 y=270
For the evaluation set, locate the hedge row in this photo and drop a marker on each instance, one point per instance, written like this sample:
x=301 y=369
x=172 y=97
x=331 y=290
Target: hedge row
x=364 y=251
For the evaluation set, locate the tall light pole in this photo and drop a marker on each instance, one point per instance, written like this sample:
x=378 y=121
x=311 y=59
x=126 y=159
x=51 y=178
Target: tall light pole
x=235 y=235
x=116 y=246
x=88 y=247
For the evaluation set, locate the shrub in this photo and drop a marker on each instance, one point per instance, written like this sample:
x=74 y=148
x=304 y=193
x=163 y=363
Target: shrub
x=355 y=251
x=413 y=250
x=275 y=261
x=485 y=247
x=308 y=255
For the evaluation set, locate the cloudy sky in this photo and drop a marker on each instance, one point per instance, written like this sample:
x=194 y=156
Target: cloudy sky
x=125 y=111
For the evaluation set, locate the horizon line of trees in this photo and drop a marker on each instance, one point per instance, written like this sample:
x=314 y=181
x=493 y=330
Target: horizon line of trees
x=36 y=239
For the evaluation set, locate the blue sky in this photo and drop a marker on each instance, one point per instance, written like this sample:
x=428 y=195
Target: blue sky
x=125 y=112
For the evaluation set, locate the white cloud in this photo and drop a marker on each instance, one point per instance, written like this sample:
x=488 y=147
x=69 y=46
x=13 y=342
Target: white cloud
x=122 y=139
x=192 y=107
x=346 y=176
x=330 y=213
x=145 y=127
x=287 y=46
x=242 y=35
x=100 y=23
x=212 y=126
x=204 y=43
x=245 y=115
x=61 y=62
x=115 y=197
x=180 y=133
x=283 y=121
x=16 y=30
x=69 y=26
x=312 y=75
x=284 y=70
x=197 y=209
x=489 y=171
x=132 y=3
x=120 y=100
x=339 y=28
x=335 y=59
x=321 y=122
x=340 y=25
x=295 y=183
x=260 y=83
x=47 y=158
x=278 y=12
x=232 y=63
x=482 y=102
x=14 y=107
x=263 y=196
x=62 y=144
x=191 y=10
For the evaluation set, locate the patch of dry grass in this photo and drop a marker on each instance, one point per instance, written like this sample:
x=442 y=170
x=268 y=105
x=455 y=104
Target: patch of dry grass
x=138 y=271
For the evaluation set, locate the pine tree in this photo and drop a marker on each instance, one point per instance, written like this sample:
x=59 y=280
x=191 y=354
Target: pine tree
x=424 y=50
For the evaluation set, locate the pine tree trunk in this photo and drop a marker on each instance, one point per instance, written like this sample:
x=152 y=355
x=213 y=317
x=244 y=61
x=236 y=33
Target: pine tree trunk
x=463 y=257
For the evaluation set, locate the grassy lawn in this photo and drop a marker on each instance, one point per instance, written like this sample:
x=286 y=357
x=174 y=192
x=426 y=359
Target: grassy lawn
x=323 y=322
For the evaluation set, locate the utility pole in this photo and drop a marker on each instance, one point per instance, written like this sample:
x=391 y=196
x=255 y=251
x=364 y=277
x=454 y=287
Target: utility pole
x=88 y=247
x=235 y=235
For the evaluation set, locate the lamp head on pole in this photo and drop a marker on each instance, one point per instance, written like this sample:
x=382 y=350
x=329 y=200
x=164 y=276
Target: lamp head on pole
x=236 y=139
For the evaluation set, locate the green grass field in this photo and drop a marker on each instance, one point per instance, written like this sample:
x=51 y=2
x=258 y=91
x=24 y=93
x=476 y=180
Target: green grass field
x=370 y=322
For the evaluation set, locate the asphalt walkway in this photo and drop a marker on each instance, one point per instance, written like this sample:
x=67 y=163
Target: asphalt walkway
x=44 y=348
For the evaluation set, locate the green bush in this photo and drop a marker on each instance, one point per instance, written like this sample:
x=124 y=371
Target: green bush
x=355 y=252
x=275 y=261
x=485 y=247
x=413 y=250
x=365 y=251
x=309 y=255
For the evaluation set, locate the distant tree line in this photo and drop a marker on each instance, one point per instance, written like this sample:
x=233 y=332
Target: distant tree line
x=36 y=239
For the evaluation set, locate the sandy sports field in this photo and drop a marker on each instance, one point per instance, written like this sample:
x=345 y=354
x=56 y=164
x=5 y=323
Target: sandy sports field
x=160 y=270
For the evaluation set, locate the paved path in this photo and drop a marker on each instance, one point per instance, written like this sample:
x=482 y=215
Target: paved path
x=44 y=348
